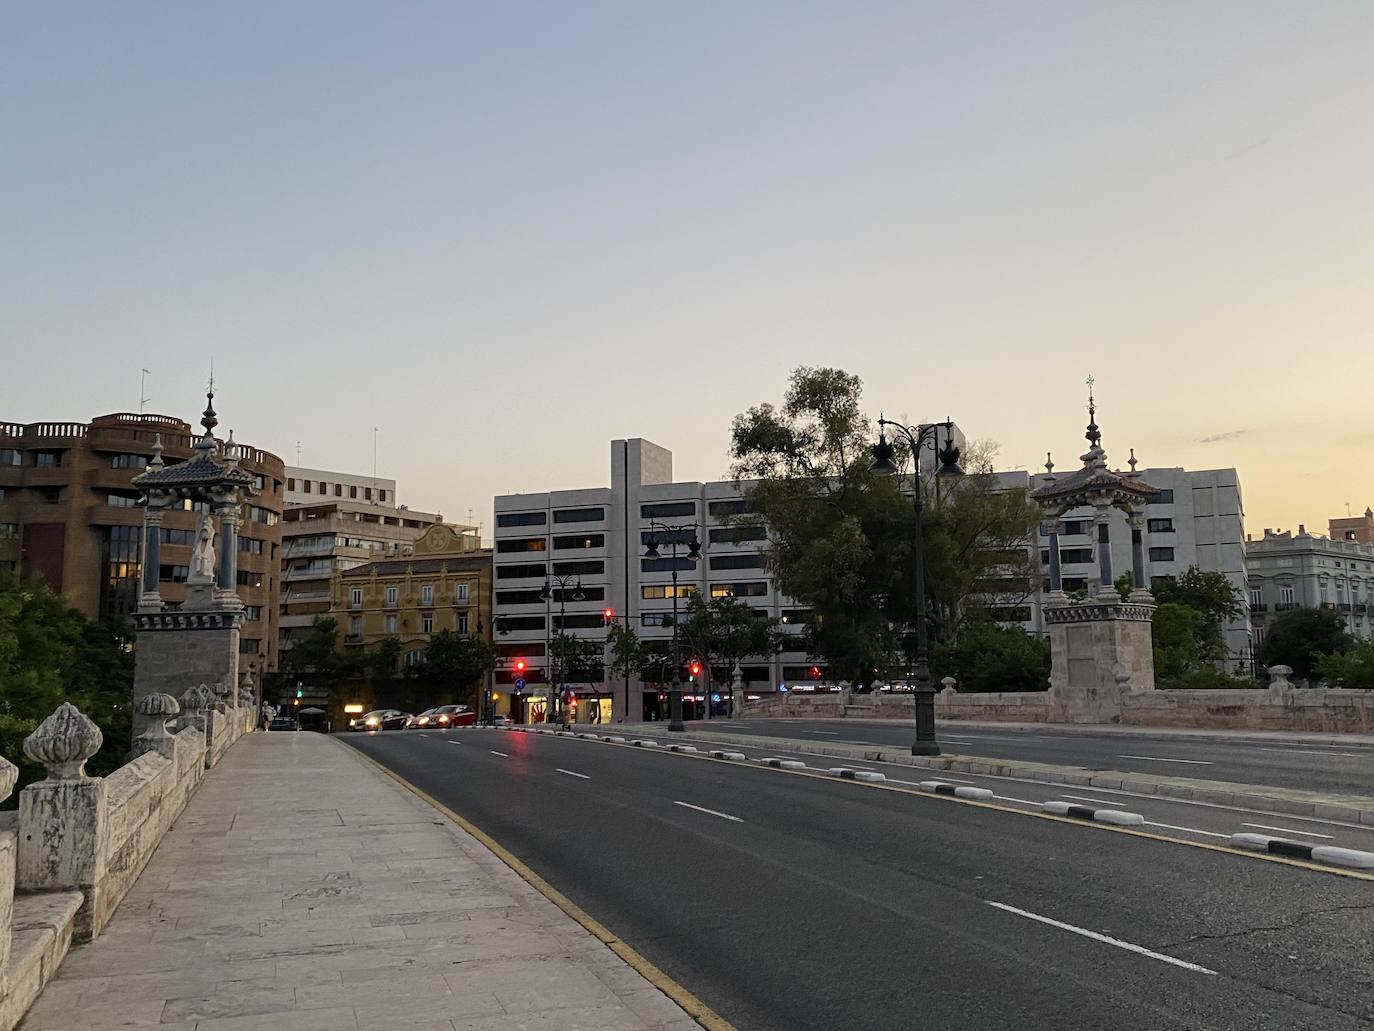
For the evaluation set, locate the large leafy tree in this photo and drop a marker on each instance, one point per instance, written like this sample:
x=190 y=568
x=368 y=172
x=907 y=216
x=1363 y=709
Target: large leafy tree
x=1215 y=601
x=49 y=654
x=315 y=653
x=1298 y=638
x=725 y=631
x=841 y=540
x=456 y=664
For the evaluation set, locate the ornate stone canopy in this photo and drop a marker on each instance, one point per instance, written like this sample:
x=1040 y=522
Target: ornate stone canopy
x=209 y=474
x=1094 y=484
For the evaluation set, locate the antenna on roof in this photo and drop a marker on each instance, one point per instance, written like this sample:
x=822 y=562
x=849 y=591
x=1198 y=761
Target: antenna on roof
x=143 y=397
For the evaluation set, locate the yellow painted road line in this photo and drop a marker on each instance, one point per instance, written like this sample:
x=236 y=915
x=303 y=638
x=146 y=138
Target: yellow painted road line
x=694 y=1007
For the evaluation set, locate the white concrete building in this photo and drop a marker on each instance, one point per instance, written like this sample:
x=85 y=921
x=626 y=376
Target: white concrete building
x=1304 y=570
x=308 y=486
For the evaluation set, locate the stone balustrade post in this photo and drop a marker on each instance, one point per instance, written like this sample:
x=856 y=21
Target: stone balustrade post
x=194 y=701
x=159 y=708
x=63 y=820
x=947 y=686
x=1280 y=687
x=9 y=773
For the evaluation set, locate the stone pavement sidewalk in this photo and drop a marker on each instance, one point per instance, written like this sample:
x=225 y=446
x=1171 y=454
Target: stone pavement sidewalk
x=302 y=889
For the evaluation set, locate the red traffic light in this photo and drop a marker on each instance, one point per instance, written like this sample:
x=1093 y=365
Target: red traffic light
x=815 y=672
x=520 y=665
x=694 y=667
x=607 y=616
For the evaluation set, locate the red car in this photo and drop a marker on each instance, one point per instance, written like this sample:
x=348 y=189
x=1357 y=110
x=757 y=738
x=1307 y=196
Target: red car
x=443 y=717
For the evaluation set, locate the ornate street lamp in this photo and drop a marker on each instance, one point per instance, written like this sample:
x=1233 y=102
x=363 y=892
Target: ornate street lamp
x=671 y=535
x=917 y=438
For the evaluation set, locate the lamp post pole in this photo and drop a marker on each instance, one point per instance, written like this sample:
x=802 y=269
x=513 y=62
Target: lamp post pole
x=917 y=438
x=672 y=536
x=559 y=663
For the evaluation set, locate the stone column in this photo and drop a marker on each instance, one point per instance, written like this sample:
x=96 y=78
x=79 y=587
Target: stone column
x=228 y=573
x=63 y=820
x=1056 y=576
x=1137 y=523
x=1104 y=547
x=152 y=554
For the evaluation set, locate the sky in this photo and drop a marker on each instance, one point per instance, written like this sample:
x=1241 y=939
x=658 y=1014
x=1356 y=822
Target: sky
x=503 y=234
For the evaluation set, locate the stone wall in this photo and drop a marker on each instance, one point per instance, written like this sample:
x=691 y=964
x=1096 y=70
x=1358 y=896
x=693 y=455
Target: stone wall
x=78 y=843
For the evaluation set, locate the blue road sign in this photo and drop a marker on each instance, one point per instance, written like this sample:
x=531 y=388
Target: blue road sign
x=519 y=683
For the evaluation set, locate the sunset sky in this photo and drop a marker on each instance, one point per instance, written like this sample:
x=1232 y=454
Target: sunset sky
x=505 y=233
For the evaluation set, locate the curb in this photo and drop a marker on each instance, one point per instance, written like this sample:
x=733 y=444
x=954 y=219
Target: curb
x=1350 y=809
x=958 y=791
x=1082 y=812
x=1300 y=850
x=845 y=773
x=782 y=764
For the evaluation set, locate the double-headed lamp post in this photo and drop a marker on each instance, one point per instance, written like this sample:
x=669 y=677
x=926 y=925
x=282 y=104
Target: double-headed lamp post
x=560 y=585
x=671 y=536
x=918 y=438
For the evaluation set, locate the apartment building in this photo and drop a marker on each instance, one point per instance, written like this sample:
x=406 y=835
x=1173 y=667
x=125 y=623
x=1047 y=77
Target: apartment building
x=1303 y=570
x=308 y=486
x=68 y=513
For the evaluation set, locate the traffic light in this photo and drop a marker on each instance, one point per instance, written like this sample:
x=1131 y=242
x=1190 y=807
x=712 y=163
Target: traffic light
x=815 y=672
x=607 y=617
x=520 y=666
x=694 y=668
x=300 y=693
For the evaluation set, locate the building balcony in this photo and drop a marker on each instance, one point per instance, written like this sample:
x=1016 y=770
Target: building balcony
x=1261 y=607
x=308 y=574
x=1286 y=606
x=353 y=638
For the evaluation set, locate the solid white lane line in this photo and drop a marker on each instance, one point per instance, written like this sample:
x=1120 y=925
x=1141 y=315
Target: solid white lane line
x=1104 y=939
x=1023 y=801
x=452 y=742
x=571 y=774
x=1308 y=751
x=493 y=751
x=827 y=733
x=1190 y=830
x=1161 y=759
x=712 y=812
x=1286 y=830
x=951 y=780
x=1094 y=801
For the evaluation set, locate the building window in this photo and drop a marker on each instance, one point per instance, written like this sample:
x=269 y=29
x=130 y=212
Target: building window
x=250 y=545
x=1069 y=584
x=128 y=461
x=391 y=596
x=750 y=589
x=665 y=565
x=305 y=487
x=1256 y=598
x=252 y=613
x=248 y=645
x=668 y=510
x=355 y=627
x=290 y=483
x=656 y=591
x=427 y=623
x=355 y=598
x=415 y=658
x=461 y=595
x=2 y=495
x=725 y=509
x=10 y=456
x=391 y=623
x=738 y=534
x=353 y=491
x=263 y=515
x=248 y=578
x=519 y=544
x=586 y=540
x=9 y=531
x=579 y=568
x=506 y=623
x=173 y=574
x=1161 y=554
x=119 y=546
x=427 y=594
x=579 y=621
x=121 y=501
x=1286 y=596
x=1164 y=497
x=504 y=519
x=462 y=622
x=1075 y=556
x=522 y=571
x=1074 y=527
x=669 y=537
x=1159 y=525
x=517 y=597
x=796 y=617
x=579 y=515
x=47 y=459
x=737 y=562
x=381 y=496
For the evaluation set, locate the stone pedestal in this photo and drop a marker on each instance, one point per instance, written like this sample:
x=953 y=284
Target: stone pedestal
x=197 y=643
x=1099 y=651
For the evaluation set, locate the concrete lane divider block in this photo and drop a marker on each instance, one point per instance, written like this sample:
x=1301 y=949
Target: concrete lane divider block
x=937 y=787
x=732 y=756
x=1344 y=857
x=1084 y=812
x=589 y=737
x=845 y=773
x=1330 y=854
x=614 y=738
x=682 y=748
x=781 y=764
x=644 y=743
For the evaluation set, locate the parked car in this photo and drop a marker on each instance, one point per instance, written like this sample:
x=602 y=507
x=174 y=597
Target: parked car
x=380 y=719
x=282 y=723
x=441 y=717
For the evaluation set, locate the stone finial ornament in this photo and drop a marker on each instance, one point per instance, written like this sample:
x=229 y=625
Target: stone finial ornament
x=159 y=708
x=947 y=685
x=1278 y=678
x=9 y=773
x=63 y=742
x=157 y=704
x=245 y=699
x=195 y=698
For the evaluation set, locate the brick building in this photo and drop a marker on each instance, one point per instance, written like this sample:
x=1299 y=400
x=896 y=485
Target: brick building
x=69 y=514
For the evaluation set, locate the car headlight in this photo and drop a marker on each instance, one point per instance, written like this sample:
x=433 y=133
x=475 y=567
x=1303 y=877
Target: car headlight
x=443 y=719
x=372 y=723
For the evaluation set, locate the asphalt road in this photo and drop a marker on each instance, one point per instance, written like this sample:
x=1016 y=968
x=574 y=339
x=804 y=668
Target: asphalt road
x=1337 y=768
x=791 y=902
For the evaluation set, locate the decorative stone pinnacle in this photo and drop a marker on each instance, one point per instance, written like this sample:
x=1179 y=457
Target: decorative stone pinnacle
x=63 y=742
x=196 y=697
x=1132 y=461
x=157 y=704
x=9 y=773
x=157 y=462
x=1049 y=466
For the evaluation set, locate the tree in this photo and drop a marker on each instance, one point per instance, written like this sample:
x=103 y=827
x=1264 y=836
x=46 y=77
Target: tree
x=1353 y=669
x=988 y=657
x=1298 y=637
x=457 y=664
x=841 y=540
x=1215 y=600
x=315 y=654
x=49 y=654
x=381 y=662
x=724 y=631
